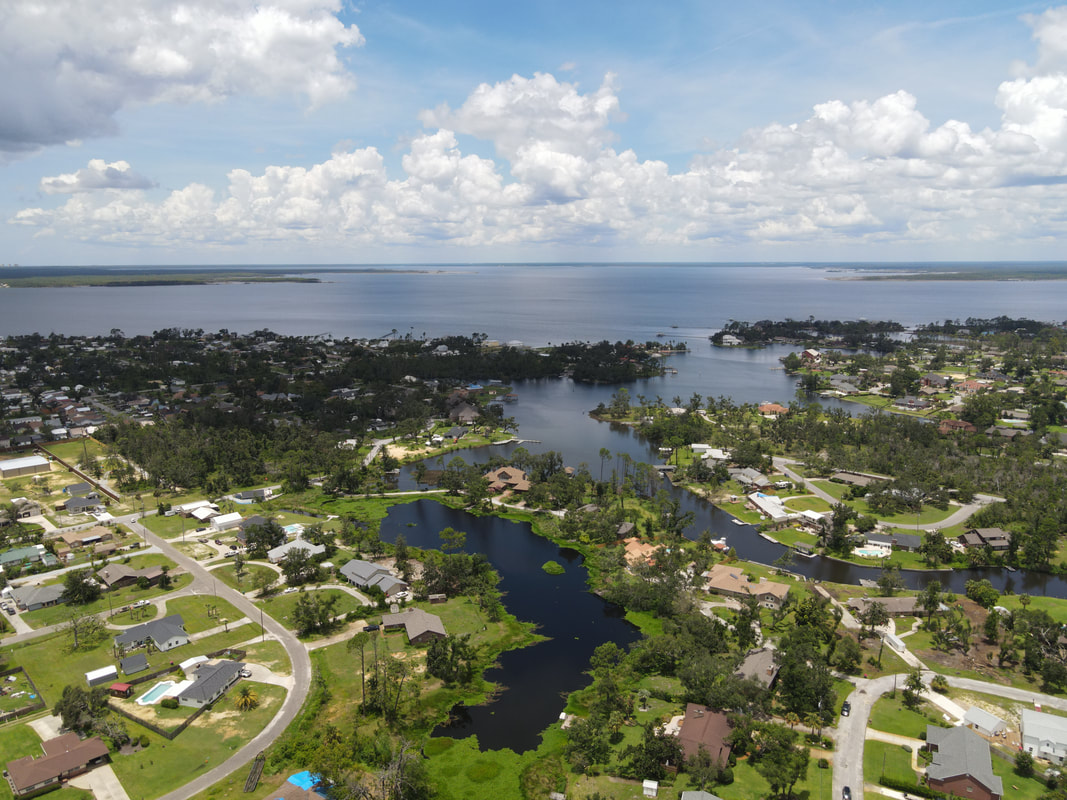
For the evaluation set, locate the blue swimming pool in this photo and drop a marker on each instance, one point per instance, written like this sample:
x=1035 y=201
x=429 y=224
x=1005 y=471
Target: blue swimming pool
x=153 y=694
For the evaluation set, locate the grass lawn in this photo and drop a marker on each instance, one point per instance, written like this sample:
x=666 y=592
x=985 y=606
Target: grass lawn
x=282 y=606
x=9 y=702
x=116 y=600
x=209 y=741
x=892 y=663
x=1015 y=787
x=74 y=450
x=809 y=503
x=1055 y=606
x=171 y=527
x=891 y=760
x=271 y=655
x=790 y=536
x=835 y=490
x=227 y=575
x=194 y=611
x=892 y=716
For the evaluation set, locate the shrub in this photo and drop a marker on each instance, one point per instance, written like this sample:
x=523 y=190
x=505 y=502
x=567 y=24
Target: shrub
x=917 y=789
x=725 y=776
x=939 y=683
x=1024 y=764
x=823 y=764
x=143 y=741
x=169 y=702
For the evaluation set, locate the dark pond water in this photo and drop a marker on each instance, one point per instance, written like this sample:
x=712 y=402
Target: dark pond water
x=536 y=679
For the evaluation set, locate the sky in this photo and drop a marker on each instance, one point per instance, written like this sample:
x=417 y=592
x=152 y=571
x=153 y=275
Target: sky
x=150 y=132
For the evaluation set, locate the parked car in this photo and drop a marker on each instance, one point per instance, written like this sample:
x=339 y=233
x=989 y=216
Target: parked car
x=846 y=793
x=401 y=595
x=218 y=541
x=369 y=628
x=9 y=610
x=846 y=708
x=291 y=589
x=233 y=547
x=245 y=673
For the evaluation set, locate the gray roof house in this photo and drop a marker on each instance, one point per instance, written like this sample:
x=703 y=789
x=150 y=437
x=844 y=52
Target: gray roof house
x=212 y=680
x=1044 y=735
x=166 y=634
x=280 y=552
x=421 y=626
x=759 y=665
x=897 y=541
x=82 y=505
x=30 y=598
x=961 y=764
x=365 y=574
x=138 y=662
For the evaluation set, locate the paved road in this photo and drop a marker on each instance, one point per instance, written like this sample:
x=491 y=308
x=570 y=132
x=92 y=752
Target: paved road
x=962 y=514
x=298 y=655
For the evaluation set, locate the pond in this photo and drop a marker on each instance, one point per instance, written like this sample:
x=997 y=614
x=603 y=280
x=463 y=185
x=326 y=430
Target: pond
x=537 y=679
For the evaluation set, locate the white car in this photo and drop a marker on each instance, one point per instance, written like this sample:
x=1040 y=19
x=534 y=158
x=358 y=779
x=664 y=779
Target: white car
x=401 y=595
x=291 y=589
x=245 y=673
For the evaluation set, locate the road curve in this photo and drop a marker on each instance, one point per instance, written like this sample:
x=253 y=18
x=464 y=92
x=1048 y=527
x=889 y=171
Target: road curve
x=298 y=655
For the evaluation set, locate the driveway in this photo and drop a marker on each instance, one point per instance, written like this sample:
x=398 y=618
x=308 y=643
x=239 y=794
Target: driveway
x=102 y=782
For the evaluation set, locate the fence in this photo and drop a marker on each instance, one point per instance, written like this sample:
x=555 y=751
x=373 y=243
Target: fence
x=35 y=706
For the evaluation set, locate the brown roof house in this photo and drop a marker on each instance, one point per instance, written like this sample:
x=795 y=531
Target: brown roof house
x=116 y=576
x=961 y=765
x=421 y=626
x=64 y=757
x=993 y=538
x=730 y=580
x=705 y=728
x=508 y=478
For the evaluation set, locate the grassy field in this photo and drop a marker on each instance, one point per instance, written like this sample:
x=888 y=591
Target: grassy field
x=209 y=741
x=73 y=450
x=281 y=606
x=890 y=715
x=53 y=615
x=227 y=575
x=271 y=655
x=1055 y=606
x=1015 y=787
x=810 y=503
x=891 y=760
x=195 y=610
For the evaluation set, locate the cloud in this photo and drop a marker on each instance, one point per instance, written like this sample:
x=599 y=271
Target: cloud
x=98 y=175
x=869 y=172
x=77 y=64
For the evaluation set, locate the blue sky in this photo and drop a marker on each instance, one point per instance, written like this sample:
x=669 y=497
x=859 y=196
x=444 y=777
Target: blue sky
x=326 y=132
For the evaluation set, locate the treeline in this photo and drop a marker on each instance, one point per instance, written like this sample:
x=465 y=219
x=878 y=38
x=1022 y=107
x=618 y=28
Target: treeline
x=853 y=333
x=976 y=326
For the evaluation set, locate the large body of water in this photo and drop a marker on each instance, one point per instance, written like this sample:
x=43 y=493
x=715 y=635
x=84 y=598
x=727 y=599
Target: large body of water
x=534 y=304
x=552 y=304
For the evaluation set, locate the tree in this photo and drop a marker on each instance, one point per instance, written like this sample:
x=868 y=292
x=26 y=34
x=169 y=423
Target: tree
x=314 y=613
x=781 y=762
x=79 y=588
x=452 y=540
x=930 y=598
x=848 y=655
x=359 y=641
x=246 y=698
x=402 y=557
x=1024 y=764
x=873 y=616
x=80 y=709
x=991 y=626
x=84 y=630
x=890 y=582
x=702 y=768
x=913 y=687
x=299 y=567
x=649 y=758
x=935 y=549
x=982 y=592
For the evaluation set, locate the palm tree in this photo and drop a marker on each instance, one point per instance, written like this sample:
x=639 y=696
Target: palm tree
x=792 y=718
x=246 y=699
x=814 y=721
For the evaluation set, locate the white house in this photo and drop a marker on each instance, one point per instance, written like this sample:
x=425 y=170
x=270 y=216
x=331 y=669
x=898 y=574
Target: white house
x=280 y=552
x=984 y=722
x=1044 y=735
x=224 y=522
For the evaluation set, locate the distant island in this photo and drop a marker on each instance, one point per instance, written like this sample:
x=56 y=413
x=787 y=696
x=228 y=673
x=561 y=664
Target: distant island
x=56 y=277
x=1029 y=271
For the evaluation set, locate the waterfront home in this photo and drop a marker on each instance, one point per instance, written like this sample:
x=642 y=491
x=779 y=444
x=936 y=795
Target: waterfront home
x=773 y=410
x=961 y=765
x=506 y=478
x=949 y=426
x=420 y=626
x=729 y=580
x=64 y=757
x=993 y=538
x=894 y=606
x=364 y=575
x=750 y=478
x=638 y=552
x=811 y=357
x=772 y=508
x=908 y=542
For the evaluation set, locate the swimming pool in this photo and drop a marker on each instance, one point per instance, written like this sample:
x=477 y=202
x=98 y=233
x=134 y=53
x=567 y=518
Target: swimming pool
x=153 y=694
x=294 y=530
x=870 y=552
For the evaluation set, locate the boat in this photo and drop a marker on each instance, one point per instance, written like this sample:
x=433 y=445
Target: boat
x=736 y=521
x=718 y=542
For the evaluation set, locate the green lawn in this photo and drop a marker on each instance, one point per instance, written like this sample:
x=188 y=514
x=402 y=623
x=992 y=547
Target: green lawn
x=209 y=741
x=835 y=490
x=195 y=612
x=890 y=715
x=1055 y=606
x=281 y=606
x=810 y=503
x=72 y=451
x=891 y=760
x=271 y=655
x=107 y=602
x=1015 y=787
x=227 y=575
x=790 y=536
x=171 y=527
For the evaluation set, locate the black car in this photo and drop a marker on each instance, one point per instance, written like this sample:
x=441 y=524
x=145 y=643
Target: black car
x=846 y=708
x=370 y=627
x=846 y=794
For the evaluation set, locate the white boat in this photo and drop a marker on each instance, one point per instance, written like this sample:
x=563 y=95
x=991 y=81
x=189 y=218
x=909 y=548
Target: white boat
x=736 y=521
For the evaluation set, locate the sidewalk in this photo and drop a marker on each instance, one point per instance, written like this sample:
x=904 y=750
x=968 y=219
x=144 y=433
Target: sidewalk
x=904 y=741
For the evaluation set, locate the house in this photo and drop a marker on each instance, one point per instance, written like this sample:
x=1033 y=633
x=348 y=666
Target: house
x=729 y=340
x=456 y=433
x=772 y=410
x=28 y=465
x=64 y=757
x=254 y=495
x=204 y=513
x=505 y=478
x=811 y=357
x=166 y=634
x=81 y=505
x=464 y=413
x=79 y=489
x=117 y=576
x=1044 y=735
x=120 y=690
x=729 y=580
x=364 y=574
x=638 y=552
x=854 y=478
x=26 y=508
x=702 y=727
x=759 y=665
x=280 y=552
x=212 y=681
x=961 y=765
x=97 y=677
x=993 y=538
x=693 y=794
x=985 y=723
x=935 y=381
x=186 y=509
x=223 y=522
x=752 y=478
x=908 y=542
x=949 y=426
x=421 y=626
x=771 y=507
x=84 y=538
x=30 y=598
x=895 y=606
x=911 y=402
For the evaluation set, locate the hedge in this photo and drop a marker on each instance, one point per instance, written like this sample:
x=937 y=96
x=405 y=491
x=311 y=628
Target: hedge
x=911 y=788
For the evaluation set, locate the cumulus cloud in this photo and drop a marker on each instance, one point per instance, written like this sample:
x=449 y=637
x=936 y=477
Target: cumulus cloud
x=71 y=65
x=867 y=172
x=98 y=175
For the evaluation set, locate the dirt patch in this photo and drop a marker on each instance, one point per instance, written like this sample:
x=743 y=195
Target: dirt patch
x=981 y=657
